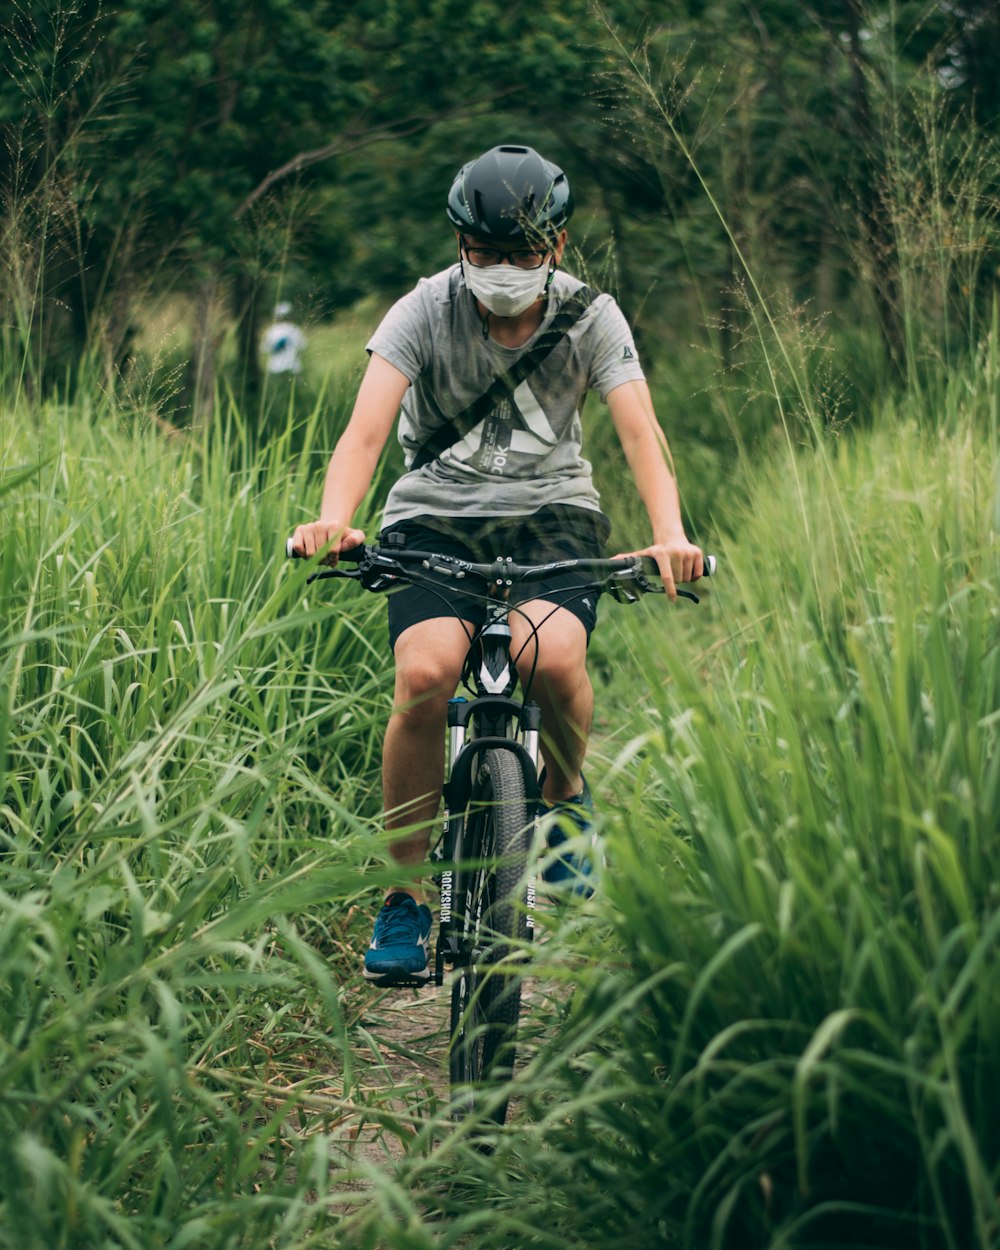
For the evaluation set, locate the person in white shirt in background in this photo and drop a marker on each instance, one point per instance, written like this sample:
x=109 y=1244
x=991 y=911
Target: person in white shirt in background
x=283 y=343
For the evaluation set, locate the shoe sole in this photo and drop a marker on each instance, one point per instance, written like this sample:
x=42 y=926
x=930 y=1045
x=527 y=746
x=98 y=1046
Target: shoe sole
x=401 y=979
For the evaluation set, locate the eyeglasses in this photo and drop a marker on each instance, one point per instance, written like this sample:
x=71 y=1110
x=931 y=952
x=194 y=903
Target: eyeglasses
x=484 y=257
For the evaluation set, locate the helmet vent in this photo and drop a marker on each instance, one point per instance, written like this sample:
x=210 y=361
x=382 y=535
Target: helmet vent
x=507 y=192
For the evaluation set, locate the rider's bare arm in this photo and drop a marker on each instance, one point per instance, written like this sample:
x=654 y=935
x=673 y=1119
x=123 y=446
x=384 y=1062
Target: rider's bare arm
x=648 y=455
x=353 y=462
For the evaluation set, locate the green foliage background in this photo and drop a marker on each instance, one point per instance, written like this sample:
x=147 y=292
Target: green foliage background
x=226 y=154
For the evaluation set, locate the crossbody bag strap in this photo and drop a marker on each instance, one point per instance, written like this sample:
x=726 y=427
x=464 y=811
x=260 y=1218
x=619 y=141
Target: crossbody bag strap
x=507 y=383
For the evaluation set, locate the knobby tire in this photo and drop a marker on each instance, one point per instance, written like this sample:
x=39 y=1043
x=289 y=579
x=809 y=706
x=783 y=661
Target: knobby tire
x=486 y=994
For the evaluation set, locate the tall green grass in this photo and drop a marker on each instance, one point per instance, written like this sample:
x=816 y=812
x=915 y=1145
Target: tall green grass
x=781 y=1026
x=777 y=1025
x=188 y=766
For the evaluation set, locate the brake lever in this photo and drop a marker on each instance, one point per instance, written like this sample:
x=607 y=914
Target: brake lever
x=651 y=588
x=620 y=589
x=321 y=575
x=367 y=573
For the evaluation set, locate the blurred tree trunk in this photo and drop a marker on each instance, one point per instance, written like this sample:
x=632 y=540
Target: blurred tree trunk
x=843 y=23
x=246 y=300
x=826 y=271
x=204 y=351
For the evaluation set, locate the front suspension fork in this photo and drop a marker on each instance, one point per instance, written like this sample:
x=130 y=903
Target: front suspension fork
x=453 y=946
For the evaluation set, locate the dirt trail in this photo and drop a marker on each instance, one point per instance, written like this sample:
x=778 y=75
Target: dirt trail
x=401 y=1045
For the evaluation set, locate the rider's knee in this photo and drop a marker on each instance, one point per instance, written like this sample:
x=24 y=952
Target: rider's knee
x=560 y=670
x=426 y=682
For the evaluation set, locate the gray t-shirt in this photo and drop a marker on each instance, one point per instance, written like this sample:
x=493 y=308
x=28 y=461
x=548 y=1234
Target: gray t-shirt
x=526 y=454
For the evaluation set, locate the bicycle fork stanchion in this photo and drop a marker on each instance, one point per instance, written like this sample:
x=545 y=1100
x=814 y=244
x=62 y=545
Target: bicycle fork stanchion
x=531 y=724
x=446 y=946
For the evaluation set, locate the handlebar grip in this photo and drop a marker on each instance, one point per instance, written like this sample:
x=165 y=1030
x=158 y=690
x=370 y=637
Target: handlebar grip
x=353 y=554
x=709 y=565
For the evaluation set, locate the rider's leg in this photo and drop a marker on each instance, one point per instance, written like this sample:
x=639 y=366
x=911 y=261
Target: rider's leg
x=429 y=657
x=561 y=687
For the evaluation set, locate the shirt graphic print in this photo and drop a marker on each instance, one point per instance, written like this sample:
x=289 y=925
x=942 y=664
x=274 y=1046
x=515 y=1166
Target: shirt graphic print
x=516 y=432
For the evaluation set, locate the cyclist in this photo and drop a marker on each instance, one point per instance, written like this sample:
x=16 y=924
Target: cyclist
x=493 y=473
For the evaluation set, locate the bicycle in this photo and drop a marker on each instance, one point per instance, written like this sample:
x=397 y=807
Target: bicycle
x=491 y=792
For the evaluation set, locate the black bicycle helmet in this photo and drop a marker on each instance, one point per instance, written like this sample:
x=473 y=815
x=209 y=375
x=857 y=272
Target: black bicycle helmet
x=510 y=193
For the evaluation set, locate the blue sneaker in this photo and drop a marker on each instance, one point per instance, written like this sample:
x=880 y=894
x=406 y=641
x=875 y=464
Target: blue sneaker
x=571 y=818
x=401 y=942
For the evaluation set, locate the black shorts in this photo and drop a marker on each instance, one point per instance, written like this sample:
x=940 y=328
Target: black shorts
x=558 y=532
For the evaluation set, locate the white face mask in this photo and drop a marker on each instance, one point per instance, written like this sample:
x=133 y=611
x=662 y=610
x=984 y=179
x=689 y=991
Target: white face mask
x=504 y=290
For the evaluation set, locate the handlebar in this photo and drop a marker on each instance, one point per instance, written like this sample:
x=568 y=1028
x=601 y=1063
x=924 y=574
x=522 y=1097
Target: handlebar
x=379 y=568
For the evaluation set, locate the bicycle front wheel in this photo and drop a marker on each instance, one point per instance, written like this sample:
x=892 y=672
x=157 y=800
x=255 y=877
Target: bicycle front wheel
x=486 y=991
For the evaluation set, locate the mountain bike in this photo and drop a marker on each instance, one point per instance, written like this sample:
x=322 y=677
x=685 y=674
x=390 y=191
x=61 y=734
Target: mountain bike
x=483 y=858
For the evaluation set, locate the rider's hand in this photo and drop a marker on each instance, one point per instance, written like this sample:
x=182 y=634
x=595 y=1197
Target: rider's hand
x=678 y=561
x=309 y=540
